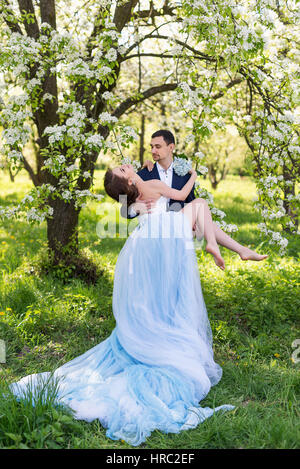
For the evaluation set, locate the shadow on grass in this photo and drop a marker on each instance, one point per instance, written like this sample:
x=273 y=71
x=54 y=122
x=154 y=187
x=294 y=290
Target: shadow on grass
x=13 y=197
x=258 y=303
x=111 y=246
x=237 y=210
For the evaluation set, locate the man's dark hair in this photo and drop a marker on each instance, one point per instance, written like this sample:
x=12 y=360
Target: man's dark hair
x=166 y=135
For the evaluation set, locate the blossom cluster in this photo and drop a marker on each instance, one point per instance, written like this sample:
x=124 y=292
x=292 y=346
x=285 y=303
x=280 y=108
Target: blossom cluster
x=275 y=237
x=181 y=166
x=135 y=164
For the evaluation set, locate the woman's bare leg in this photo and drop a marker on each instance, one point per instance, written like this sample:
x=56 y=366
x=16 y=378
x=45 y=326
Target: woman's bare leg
x=245 y=253
x=199 y=215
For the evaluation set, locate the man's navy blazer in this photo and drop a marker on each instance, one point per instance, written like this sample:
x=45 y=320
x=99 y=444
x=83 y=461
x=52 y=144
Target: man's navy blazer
x=177 y=183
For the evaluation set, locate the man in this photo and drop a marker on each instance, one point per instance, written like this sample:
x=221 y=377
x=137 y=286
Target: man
x=162 y=147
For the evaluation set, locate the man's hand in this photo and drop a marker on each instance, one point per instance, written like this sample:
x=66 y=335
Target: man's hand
x=149 y=165
x=142 y=207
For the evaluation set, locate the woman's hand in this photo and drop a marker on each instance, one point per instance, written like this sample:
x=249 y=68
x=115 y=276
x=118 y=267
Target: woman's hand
x=149 y=165
x=193 y=174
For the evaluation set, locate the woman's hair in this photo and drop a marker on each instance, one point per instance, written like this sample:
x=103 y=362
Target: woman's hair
x=116 y=186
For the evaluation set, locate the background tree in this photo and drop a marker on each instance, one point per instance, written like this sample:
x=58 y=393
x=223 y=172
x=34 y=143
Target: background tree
x=59 y=80
x=223 y=152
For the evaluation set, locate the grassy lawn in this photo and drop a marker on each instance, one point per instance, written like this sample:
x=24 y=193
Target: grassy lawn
x=253 y=309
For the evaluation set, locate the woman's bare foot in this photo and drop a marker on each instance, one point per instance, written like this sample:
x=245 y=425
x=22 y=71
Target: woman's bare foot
x=214 y=250
x=246 y=254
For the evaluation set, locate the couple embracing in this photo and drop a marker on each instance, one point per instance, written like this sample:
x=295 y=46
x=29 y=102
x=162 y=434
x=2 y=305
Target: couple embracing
x=157 y=364
x=145 y=190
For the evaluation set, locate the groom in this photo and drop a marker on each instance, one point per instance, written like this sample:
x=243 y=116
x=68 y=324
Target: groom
x=162 y=147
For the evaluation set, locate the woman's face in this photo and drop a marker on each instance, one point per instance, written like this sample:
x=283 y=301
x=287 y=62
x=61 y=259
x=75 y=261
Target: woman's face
x=125 y=171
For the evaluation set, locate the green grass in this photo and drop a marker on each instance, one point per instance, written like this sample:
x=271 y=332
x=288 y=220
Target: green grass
x=253 y=309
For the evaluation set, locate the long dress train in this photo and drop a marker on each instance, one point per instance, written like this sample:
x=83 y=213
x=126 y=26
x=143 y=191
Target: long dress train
x=157 y=364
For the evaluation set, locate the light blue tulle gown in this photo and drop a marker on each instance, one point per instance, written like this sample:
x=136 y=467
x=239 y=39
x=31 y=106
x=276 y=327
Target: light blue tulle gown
x=157 y=364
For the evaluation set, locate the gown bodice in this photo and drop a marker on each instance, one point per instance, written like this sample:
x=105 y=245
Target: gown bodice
x=161 y=206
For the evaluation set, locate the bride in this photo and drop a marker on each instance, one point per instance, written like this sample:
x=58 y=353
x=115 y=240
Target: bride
x=157 y=364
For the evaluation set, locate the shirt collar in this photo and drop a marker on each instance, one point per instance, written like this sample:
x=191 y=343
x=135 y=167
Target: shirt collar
x=160 y=168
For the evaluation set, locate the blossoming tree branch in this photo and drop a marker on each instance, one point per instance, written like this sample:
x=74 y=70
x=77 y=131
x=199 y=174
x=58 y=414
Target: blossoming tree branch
x=64 y=65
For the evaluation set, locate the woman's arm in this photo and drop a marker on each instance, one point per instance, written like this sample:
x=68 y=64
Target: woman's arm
x=175 y=194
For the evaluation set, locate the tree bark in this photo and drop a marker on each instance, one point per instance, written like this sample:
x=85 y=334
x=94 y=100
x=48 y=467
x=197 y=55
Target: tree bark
x=142 y=139
x=123 y=13
x=31 y=26
x=291 y=212
x=62 y=229
x=11 y=176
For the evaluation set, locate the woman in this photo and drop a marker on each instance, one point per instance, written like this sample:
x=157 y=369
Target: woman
x=158 y=363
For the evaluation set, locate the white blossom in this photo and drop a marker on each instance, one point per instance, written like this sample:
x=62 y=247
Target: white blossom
x=94 y=141
x=66 y=195
x=111 y=55
x=202 y=169
x=130 y=132
x=71 y=168
x=105 y=118
x=107 y=95
x=135 y=164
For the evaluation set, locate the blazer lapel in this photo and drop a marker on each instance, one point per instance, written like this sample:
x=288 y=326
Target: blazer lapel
x=175 y=181
x=155 y=173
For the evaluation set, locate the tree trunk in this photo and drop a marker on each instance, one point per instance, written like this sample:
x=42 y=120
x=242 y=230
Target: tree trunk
x=290 y=190
x=11 y=176
x=292 y=212
x=62 y=230
x=212 y=173
x=142 y=139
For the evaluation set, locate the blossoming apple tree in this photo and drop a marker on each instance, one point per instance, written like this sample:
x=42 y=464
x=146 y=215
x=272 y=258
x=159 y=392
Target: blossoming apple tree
x=63 y=67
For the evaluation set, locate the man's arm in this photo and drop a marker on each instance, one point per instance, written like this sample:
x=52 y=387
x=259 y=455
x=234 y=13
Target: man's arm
x=138 y=208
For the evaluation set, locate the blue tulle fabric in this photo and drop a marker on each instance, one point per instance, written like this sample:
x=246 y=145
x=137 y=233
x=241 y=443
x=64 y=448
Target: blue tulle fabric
x=157 y=364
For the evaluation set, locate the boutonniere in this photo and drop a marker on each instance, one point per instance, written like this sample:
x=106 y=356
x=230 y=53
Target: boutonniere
x=181 y=166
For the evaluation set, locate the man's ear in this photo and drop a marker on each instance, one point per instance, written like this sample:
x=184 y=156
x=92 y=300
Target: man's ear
x=172 y=146
x=130 y=181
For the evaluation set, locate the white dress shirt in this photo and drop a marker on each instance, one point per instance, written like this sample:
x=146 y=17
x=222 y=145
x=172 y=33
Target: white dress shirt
x=166 y=175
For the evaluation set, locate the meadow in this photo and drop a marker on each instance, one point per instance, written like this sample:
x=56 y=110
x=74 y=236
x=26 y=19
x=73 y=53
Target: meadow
x=46 y=320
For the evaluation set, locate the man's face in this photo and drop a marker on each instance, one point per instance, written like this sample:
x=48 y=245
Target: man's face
x=160 y=149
